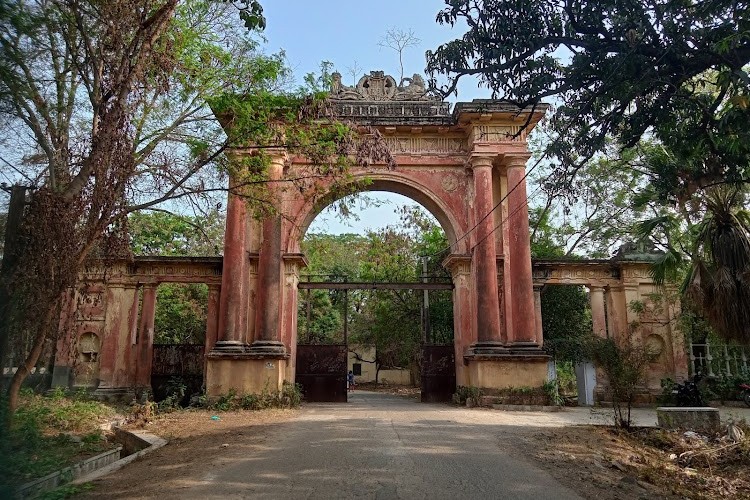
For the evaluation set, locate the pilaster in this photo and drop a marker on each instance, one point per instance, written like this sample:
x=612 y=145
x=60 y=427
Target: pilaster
x=598 y=313
x=464 y=318
x=145 y=341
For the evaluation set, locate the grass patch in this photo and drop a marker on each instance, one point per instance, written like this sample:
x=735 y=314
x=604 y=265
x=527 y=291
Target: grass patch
x=49 y=433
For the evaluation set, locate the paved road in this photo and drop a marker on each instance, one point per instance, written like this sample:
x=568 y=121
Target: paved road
x=381 y=447
x=377 y=446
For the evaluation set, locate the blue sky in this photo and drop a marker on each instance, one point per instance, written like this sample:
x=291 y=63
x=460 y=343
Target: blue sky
x=345 y=32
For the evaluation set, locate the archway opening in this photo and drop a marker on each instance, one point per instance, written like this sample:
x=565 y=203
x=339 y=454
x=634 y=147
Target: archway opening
x=375 y=286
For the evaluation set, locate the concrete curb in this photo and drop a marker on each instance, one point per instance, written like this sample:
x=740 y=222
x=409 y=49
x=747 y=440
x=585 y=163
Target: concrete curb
x=62 y=476
x=150 y=443
x=527 y=408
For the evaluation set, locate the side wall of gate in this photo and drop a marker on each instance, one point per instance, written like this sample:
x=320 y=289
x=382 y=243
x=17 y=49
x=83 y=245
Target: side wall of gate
x=625 y=305
x=107 y=333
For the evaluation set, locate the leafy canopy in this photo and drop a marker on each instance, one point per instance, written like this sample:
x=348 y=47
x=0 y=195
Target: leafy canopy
x=674 y=69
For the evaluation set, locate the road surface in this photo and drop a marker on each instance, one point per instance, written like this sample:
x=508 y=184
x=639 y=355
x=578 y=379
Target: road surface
x=377 y=446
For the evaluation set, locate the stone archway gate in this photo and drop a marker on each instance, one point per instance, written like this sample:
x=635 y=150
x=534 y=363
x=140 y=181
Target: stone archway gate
x=466 y=166
x=108 y=308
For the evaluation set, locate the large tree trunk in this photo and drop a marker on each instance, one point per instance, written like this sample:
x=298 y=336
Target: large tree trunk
x=14 y=389
x=11 y=253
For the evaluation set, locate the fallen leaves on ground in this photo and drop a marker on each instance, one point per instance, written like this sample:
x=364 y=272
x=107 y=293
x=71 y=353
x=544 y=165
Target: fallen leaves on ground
x=607 y=463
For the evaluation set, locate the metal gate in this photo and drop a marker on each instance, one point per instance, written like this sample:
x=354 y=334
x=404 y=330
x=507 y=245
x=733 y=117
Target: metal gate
x=438 y=373
x=321 y=371
x=177 y=363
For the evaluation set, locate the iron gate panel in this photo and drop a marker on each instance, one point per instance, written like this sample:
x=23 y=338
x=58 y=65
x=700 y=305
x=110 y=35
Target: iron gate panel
x=438 y=373
x=321 y=371
x=177 y=362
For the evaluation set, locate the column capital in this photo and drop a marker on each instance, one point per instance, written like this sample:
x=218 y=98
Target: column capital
x=511 y=160
x=457 y=264
x=481 y=160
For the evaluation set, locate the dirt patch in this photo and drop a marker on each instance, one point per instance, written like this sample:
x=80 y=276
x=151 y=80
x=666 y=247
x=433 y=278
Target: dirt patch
x=196 y=438
x=606 y=464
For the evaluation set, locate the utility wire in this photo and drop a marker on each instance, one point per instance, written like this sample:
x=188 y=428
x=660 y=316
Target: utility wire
x=520 y=207
x=17 y=170
x=528 y=171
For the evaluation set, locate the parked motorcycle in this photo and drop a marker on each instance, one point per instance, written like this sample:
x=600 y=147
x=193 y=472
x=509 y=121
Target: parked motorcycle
x=687 y=393
x=745 y=394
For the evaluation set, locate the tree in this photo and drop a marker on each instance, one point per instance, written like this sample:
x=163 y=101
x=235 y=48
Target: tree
x=110 y=105
x=664 y=82
x=181 y=313
x=181 y=308
x=618 y=70
x=387 y=319
x=398 y=41
x=163 y=233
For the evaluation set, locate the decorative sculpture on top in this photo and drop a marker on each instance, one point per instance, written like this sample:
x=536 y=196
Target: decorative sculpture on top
x=377 y=86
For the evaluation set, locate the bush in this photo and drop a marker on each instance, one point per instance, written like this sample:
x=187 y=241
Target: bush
x=667 y=397
x=552 y=389
x=464 y=393
x=47 y=433
x=176 y=390
x=625 y=364
x=290 y=396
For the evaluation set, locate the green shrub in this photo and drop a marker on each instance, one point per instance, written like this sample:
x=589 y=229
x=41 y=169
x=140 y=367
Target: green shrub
x=464 y=393
x=552 y=389
x=624 y=363
x=290 y=396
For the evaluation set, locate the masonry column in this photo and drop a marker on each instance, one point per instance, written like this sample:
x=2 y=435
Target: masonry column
x=268 y=299
x=523 y=333
x=489 y=339
x=463 y=333
x=538 y=314
x=598 y=312
x=232 y=301
x=212 y=317
x=116 y=375
x=261 y=365
x=145 y=343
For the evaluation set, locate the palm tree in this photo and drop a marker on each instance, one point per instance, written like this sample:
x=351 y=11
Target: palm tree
x=719 y=280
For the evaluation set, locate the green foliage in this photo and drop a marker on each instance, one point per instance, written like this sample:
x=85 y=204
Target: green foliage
x=566 y=377
x=464 y=393
x=166 y=234
x=66 y=491
x=566 y=321
x=552 y=389
x=181 y=310
x=624 y=363
x=725 y=387
x=388 y=319
x=673 y=70
x=667 y=387
x=47 y=434
x=176 y=390
x=325 y=324
x=290 y=396
x=660 y=88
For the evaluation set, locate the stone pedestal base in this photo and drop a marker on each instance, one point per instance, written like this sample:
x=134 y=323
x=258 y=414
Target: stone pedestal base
x=243 y=373
x=115 y=394
x=505 y=371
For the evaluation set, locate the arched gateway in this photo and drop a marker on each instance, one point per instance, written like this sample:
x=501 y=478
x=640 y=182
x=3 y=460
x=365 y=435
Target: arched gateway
x=459 y=165
x=468 y=168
